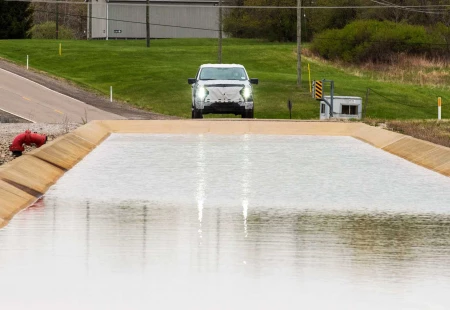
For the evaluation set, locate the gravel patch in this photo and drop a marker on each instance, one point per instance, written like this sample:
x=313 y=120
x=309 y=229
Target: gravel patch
x=8 y=131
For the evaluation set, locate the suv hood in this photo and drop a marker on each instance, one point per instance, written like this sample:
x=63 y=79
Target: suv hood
x=224 y=90
x=221 y=83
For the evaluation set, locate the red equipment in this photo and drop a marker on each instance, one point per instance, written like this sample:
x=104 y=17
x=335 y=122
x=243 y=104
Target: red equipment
x=26 y=138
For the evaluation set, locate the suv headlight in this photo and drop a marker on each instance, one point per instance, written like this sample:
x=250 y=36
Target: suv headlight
x=202 y=92
x=246 y=92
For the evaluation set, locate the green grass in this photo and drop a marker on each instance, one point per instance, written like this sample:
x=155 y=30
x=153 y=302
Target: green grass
x=155 y=78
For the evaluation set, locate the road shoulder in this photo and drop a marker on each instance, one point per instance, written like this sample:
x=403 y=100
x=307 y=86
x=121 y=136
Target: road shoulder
x=65 y=87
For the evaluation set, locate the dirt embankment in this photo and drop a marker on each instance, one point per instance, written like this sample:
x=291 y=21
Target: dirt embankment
x=434 y=131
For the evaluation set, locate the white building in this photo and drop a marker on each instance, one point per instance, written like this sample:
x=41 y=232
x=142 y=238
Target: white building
x=126 y=19
x=344 y=107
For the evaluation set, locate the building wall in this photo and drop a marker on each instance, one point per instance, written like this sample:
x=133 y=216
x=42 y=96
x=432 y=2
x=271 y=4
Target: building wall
x=98 y=19
x=338 y=102
x=128 y=20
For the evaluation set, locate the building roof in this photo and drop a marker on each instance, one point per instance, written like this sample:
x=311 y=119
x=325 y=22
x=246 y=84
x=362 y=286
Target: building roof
x=169 y=1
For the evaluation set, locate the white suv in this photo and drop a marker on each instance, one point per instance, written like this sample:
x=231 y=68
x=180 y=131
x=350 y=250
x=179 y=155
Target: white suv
x=223 y=89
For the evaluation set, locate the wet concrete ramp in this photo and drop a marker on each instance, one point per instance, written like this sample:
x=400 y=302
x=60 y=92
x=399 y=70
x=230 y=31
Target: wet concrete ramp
x=227 y=214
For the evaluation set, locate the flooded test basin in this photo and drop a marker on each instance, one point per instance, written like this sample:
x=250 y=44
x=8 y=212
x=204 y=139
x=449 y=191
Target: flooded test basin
x=244 y=221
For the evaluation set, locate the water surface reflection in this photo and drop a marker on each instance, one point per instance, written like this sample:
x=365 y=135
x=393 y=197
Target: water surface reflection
x=195 y=231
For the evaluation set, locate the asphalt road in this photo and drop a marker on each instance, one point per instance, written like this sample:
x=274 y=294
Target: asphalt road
x=36 y=103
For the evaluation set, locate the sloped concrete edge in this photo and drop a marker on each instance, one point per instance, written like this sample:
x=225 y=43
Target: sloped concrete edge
x=423 y=153
x=12 y=200
x=426 y=154
x=27 y=178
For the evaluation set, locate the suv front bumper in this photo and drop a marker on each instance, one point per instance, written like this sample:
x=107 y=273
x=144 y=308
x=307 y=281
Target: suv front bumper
x=224 y=107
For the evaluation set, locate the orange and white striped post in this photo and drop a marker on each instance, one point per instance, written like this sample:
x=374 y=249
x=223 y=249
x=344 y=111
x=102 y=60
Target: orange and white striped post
x=439 y=107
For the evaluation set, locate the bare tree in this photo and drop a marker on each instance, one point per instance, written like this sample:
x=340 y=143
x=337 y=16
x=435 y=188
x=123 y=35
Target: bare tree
x=71 y=15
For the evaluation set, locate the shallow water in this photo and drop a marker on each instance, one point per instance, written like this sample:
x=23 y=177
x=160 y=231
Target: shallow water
x=221 y=222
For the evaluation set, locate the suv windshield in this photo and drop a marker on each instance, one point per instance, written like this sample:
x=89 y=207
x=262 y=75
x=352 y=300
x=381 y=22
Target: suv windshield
x=210 y=73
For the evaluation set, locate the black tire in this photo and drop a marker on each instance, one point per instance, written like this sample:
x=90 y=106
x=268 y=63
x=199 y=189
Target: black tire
x=197 y=113
x=248 y=113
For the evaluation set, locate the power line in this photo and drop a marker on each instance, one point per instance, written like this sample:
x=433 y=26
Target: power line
x=442 y=6
x=216 y=30
x=401 y=7
x=128 y=21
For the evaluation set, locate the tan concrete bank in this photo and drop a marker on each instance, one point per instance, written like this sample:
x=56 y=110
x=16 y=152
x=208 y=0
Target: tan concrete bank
x=26 y=178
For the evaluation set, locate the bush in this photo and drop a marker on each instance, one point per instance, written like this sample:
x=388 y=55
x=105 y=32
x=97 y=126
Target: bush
x=441 y=33
x=273 y=25
x=377 y=41
x=47 y=30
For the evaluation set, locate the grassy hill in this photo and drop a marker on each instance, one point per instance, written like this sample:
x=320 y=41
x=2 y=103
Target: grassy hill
x=155 y=78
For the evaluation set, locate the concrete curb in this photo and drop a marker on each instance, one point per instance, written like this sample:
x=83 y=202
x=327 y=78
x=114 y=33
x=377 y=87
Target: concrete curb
x=27 y=178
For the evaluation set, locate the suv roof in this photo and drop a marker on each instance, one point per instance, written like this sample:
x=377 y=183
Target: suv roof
x=222 y=65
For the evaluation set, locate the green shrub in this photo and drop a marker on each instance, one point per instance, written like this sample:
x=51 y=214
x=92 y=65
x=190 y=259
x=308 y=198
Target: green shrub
x=47 y=30
x=273 y=25
x=377 y=41
x=441 y=33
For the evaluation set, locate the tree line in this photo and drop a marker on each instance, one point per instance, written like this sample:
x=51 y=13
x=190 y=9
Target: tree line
x=280 y=24
x=22 y=20
x=16 y=19
x=348 y=30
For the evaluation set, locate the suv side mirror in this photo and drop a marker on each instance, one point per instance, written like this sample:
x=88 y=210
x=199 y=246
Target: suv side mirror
x=254 y=81
x=192 y=81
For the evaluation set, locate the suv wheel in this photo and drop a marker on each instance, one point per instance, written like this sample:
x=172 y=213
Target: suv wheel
x=248 y=113
x=196 y=113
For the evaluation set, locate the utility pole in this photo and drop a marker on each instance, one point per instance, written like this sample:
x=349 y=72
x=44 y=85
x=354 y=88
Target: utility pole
x=220 y=32
x=89 y=34
x=147 y=11
x=57 y=18
x=299 y=43
x=367 y=102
